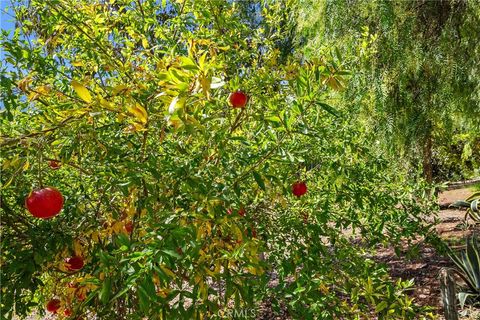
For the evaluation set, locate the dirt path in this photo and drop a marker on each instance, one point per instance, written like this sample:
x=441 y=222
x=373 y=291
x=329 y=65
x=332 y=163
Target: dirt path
x=425 y=267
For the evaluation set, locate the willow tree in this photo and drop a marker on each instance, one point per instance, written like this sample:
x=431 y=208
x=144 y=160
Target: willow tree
x=416 y=76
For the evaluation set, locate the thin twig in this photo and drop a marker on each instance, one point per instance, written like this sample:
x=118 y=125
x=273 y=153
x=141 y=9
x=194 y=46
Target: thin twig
x=10 y=140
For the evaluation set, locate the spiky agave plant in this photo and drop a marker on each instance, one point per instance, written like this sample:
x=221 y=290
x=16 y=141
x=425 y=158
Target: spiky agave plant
x=468 y=264
x=472 y=204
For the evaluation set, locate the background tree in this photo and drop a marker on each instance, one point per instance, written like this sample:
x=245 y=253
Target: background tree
x=415 y=81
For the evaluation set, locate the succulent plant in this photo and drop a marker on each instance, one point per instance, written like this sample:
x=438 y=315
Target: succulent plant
x=468 y=264
x=472 y=204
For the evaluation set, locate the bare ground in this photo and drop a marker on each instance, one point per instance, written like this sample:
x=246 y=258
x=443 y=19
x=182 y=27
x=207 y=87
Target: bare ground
x=425 y=267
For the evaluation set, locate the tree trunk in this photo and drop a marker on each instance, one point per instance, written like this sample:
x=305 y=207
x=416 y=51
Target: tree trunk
x=427 y=158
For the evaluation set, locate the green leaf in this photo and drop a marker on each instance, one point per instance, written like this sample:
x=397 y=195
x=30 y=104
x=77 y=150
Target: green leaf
x=123 y=240
x=258 y=178
x=106 y=289
x=172 y=253
x=188 y=64
x=381 y=306
x=273 y=119
x=328 y=108
x=146 y=292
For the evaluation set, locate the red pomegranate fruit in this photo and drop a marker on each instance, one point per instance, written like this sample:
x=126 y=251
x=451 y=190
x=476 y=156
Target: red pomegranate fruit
x=74 y=263
x=238 y=99
x=241 y=211
x=53 y=305
x=44 y=203
x=129 y=227
x=299 y=188
x=54 y=164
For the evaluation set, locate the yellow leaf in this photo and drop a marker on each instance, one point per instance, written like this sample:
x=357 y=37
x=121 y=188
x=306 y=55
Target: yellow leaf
x=33 y=96
x=145 y=43
x=6 y=164
x=95 y=236
x=26 y=165
x=106 y=104
x=237 y=232
x=131 y=211
x=201 y=61
x=218 y=267
x=134 y=127
x=81 y=91
x=167 y=271
x=163 y=292
x=207 y=271
x=226 y=48
x=77 y=248
x=205 y=82
x=62 y=267
x=183 y=222
x=42 y=90
x=8 y=183
x=323 y=288
x=208 y=228
x=120 y=88
x=203 y=290
x=118 y=226
x=77 y=63
x=139 y=112
x=257 y=271
x=156 y=280
x=23 y=84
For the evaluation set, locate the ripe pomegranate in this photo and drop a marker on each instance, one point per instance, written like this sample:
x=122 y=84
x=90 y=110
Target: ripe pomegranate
x=53 y=305
x=128 y=227
x=74 y=263
x=67 y=312
x=241 y=212
x=238 y=99
x=44 y=203
x=299 y=188
x=54 y=164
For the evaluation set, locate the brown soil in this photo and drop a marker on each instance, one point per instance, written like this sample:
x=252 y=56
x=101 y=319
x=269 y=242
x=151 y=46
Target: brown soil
x=425 y=267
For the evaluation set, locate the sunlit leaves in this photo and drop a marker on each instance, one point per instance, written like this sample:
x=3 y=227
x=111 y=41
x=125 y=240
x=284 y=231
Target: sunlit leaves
x=149 y=143
x=139 y=112
x=81 y=91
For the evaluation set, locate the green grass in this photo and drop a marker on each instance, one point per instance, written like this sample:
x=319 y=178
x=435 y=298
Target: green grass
x=475 y=187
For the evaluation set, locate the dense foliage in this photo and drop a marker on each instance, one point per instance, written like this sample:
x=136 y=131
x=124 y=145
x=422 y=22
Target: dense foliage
x=180 y=205
x=416 y=82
